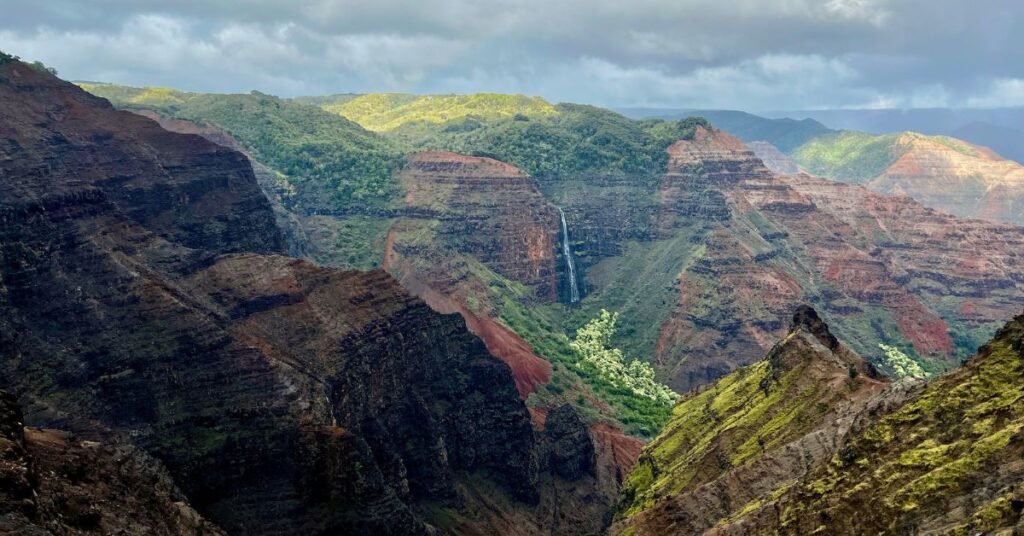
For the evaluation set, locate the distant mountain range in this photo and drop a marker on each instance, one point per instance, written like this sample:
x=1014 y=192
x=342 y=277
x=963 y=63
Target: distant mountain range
x=1000 y=129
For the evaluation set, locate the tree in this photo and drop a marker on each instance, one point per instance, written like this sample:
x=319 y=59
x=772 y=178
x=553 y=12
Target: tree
x=593 y=349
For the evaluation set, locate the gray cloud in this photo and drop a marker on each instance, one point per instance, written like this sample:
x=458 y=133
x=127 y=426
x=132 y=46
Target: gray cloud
x=746 y=54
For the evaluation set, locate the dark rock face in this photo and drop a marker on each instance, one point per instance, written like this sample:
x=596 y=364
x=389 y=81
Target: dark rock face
x=282 y=397
x=571 y=450
x=807 y=318
x=53 y=483
x=61 y=145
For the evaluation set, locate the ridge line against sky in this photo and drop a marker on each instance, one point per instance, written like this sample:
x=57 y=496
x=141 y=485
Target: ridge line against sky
x=753 y=55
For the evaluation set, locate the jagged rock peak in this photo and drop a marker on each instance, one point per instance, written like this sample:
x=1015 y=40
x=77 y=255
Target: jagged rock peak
x=805 y=317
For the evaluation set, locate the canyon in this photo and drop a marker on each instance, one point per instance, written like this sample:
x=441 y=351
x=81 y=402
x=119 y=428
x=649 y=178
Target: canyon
x=146 y=300
x=149 y=299
x=701 y=259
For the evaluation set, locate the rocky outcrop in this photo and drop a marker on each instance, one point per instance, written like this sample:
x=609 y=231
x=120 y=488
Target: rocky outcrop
x=465 y=218
x=54 y=483
x=925 y=465
x=942 y=458
x=571 y=451
x=282 y=397
x=744 y=440
x=699 y=172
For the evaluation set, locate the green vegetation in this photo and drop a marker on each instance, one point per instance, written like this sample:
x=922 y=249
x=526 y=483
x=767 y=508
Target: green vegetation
x=744 y=414
x=354 y=241
x=900 y=364
x=642 y=284
x=37 y=65
x=917 y=458
x=318 y=152
x=593 y=349
x=952 y=143
x=848 y=156
x=639 y=414
x=541 y=138
x=388 y=111
x=579 y=139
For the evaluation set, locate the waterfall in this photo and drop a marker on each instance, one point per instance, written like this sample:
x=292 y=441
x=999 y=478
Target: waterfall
x=574 y=291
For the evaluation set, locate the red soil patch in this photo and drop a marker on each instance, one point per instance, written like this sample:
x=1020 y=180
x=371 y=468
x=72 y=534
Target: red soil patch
x=624 y=449
x=528 y=370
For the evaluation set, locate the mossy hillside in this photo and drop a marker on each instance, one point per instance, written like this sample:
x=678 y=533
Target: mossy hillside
x=948 y=442
x=387 y=111
x=848 y=156
x=743 y=415
x=859 y=157
x=328 y=159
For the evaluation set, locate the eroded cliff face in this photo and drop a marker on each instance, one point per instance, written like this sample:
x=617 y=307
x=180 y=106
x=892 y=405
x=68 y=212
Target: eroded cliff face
x=141 y=299
x=956 y=177
x=886 y=268
x=487 y=209
x=464 y=220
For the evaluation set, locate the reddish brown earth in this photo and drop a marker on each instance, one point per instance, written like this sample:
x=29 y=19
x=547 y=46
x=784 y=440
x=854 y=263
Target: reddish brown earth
x=487 y=209
x=955 y=176
x=622 y=449
x=777 y=241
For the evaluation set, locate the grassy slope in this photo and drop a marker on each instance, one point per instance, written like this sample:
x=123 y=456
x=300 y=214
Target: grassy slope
x=859 y=157
x=947 y=458
x=942 y=444
x=743 y=415
x=388 y=111
x=643 y=286
x=848 y=156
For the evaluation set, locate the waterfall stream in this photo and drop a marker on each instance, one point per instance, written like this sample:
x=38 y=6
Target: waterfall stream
x=574 y=291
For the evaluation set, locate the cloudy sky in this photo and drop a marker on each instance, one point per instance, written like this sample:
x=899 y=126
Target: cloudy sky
x=754 y=55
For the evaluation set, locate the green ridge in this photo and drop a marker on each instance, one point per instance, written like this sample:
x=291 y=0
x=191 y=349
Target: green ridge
x=848 y=156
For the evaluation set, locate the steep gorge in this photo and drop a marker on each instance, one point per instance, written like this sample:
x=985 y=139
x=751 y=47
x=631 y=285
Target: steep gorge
x=700 y=261
x=144 y=298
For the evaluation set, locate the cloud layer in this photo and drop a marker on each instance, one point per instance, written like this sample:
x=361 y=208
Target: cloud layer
x=744 y=54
